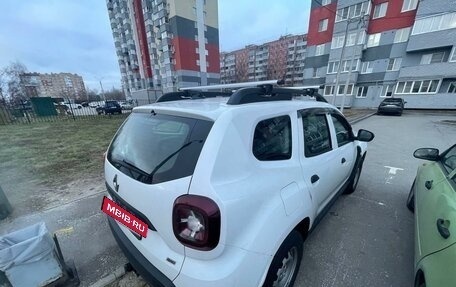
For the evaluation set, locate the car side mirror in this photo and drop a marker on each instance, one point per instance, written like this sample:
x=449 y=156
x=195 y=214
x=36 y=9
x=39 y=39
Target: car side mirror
x=365 y=136
x=431 y=154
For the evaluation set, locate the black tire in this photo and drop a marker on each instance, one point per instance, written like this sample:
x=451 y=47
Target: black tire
x=411 y=198
x=420 y=281
x=285 y=264
x=356 y=174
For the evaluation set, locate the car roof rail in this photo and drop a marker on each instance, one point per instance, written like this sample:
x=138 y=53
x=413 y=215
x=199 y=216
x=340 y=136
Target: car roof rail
x=247 y=92
x=267 y=93
x=189 y=94
x=234 y=85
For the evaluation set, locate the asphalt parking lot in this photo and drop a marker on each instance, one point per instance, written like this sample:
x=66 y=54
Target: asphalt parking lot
x=367 y=238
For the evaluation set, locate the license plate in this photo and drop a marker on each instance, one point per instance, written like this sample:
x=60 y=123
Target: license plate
x=124 y=217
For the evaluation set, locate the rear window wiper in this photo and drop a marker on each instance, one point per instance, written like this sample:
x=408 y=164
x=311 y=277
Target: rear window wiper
x=131 y=167
x=160 y=164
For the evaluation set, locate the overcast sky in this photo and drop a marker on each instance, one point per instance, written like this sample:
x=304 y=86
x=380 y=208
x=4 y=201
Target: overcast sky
x=75 y=35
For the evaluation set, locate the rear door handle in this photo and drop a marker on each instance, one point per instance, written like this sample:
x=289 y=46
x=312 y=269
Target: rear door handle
x=343 y=160
x=443 y=230
x=314 y=178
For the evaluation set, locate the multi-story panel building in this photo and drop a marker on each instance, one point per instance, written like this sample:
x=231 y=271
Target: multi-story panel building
x=165 y=44
x=55 y=85
x=369 y=50
x=295 y=62
x=279 y=59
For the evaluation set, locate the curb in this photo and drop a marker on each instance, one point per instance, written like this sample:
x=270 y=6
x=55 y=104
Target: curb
x=362 y=118
x=119 y=272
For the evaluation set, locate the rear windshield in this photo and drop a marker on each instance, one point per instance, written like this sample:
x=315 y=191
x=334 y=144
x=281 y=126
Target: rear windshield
x=395 y=101
x=153 y=148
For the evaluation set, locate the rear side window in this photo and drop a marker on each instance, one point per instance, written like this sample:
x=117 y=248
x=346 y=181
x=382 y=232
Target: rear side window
x=272 y=139
x=153 y=148
x=316 y=135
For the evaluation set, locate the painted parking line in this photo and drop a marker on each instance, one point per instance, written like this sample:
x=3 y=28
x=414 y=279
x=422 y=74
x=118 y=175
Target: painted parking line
x=392 y=172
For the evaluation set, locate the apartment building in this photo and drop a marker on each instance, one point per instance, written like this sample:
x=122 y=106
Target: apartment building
x=279 y=59
x=370 y=50
x=55 y=85
x=165 y=44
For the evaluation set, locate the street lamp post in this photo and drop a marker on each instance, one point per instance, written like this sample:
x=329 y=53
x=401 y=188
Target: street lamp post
x=347 y=82
x=102 y=91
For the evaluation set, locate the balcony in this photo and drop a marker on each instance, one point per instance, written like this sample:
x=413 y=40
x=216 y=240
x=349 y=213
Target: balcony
x=437 y=70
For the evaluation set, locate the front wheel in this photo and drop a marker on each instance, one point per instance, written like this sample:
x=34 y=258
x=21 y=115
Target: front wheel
x=285 y=265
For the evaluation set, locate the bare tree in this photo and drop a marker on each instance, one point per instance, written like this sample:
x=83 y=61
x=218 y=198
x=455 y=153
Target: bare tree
x=11 y=81
x=115 y=94
x=92 y=95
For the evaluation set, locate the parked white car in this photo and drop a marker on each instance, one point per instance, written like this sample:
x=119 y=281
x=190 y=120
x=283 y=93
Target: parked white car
x=222 y=191
x=73 y=106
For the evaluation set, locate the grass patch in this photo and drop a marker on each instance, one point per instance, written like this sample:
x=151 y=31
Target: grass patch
x=56 y=153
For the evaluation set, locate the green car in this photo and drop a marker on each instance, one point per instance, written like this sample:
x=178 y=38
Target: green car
x=433 y=200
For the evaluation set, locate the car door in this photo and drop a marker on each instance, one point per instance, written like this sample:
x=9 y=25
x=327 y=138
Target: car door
x=344 y=143
x=317 y=156
x=435 y=205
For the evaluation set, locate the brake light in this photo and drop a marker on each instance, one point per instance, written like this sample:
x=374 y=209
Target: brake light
x=196 y=222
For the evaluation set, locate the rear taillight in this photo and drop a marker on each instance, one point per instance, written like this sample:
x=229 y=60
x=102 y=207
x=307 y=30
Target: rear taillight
x=196 y=222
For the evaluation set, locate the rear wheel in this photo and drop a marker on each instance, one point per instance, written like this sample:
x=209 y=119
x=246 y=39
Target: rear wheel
x=285 y=265
x=355 y=177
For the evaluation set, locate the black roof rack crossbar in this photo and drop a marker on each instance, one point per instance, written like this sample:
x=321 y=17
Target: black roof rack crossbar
x=268 y=93
x=189 y=94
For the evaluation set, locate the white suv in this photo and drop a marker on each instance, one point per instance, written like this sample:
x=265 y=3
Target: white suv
x=222 y=191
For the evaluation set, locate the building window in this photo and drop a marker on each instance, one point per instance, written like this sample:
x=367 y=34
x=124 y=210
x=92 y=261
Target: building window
x=342 y=14
x=323 y=25
x=362 y=92
x=374 y=40
x=418 y=87
x=367 y=67
x=337 y=42
x=453 y=55
x=314 y=73
x=329 y=90
x=353 y=11
x=333 y=67
x=402 y=35
x=394 y=64
x=325 y=2
x=346 y=64
x=320 y=50
x=351 y=39
x=341 y=89
x=434 y=23
x=387 y=91
x=197 y=62
x=380 y=10
x=409 y=5
x=452 y=88
x=432 y=58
